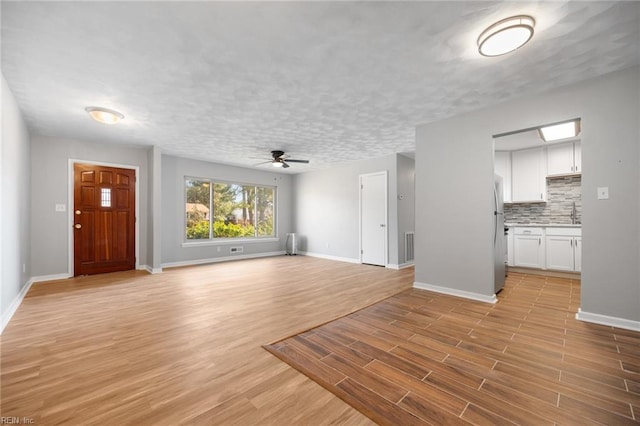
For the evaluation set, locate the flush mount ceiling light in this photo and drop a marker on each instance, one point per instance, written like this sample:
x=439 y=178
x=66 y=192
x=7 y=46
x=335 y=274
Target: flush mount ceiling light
x=506 y=36
x=104 y=115
x=569 y=129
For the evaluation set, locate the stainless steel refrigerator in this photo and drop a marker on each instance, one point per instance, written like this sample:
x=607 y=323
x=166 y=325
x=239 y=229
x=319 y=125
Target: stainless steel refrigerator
x=499 y=248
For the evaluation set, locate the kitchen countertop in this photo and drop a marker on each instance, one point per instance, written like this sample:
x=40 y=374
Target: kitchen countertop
x=543 y=225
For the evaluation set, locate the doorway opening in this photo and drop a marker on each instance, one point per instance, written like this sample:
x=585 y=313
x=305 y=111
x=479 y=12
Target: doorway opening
x=542 y=191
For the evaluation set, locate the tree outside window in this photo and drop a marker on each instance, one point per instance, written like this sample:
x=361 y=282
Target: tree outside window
x=228 y=210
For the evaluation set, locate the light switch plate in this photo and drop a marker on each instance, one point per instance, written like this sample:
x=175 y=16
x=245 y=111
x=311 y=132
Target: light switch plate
x=61 y=207
x=603 y=193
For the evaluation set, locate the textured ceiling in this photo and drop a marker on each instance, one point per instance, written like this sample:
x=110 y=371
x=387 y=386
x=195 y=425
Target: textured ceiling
x=329 y=82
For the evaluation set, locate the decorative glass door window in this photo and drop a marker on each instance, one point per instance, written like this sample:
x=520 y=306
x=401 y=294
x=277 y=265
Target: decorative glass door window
x=105 y=197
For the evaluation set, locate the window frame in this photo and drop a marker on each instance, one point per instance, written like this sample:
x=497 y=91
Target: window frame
x=219 y=241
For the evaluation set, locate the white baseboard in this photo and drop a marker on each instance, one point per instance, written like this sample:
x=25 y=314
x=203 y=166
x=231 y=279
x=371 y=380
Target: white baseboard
x=329 y=257
x=400 y=266
x=453 y=292
x=149 y=269
x=221 y=259
x=6 y=316
x=607 y=320
x=53 y=277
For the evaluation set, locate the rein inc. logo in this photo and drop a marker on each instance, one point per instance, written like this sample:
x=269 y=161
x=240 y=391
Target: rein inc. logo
x=5 y=420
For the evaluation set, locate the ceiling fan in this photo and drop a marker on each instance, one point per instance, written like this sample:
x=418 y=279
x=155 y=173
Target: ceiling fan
x=280 y=159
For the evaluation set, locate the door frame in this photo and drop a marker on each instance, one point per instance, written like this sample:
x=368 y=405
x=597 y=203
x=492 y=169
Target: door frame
x=71 y=204
x=386 y=214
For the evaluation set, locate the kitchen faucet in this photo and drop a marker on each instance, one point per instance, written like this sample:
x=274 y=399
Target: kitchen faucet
x=574 y=214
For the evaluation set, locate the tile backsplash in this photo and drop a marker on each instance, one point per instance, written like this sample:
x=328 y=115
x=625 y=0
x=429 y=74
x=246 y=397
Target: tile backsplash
x=561 y=193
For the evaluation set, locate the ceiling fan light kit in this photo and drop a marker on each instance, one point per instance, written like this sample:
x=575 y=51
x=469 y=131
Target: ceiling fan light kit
x=280 y=160
x=506 y=35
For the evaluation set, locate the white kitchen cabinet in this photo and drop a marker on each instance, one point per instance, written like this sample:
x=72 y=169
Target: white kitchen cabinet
x=560 y=253
x=564 y=159
x=528 y=247
x=502 y=168
x=563 y=249
x=577 y=156
x=510 y=248
x=577 y=254
x=528 y=175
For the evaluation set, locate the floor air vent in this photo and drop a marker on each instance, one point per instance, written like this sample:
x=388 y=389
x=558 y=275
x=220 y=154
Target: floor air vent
x=408 y=247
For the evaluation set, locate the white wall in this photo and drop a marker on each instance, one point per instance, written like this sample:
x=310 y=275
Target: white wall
x=50 y=186
x=327 y=208
x=175 y=169
x=454 y=174
x=15 y=206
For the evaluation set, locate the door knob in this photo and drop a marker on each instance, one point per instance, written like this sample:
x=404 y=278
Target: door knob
x=78 y=226
x=78 y=212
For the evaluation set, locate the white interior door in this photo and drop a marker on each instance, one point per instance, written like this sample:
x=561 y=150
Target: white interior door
x=373 y=218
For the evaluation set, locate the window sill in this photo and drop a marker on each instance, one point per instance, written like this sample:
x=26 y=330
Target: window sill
x=227 y=241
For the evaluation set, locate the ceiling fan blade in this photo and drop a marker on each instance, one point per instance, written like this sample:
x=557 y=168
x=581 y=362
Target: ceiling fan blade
x=264 y=162
x=285 y=165
x=297 y=161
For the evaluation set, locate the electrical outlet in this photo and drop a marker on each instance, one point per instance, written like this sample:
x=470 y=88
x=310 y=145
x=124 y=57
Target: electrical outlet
x=236 y=249
x=61 y=207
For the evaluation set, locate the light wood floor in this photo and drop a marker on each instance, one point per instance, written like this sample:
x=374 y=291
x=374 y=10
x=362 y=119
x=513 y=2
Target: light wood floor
x=181 y=347
x=421 y=358
x=184 y=347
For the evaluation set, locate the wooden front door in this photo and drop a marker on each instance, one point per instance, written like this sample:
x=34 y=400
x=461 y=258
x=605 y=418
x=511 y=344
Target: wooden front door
x=104 y=219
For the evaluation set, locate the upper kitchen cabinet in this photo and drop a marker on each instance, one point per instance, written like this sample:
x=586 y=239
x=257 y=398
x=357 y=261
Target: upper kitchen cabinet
x=503 y=169
x=528 y=176
x=564 y=159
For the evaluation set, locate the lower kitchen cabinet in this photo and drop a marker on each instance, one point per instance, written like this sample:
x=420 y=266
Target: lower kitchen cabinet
x=564 y=249
x=528 y=247
x=577 y=254
x=510 y=261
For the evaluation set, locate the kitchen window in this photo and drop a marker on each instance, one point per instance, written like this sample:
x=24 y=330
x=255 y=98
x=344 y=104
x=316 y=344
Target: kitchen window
x=216 y=210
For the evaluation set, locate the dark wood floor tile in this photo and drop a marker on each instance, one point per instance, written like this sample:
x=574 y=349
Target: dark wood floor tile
x=426 y=390
x=527 y=371
x=488 y=402
x=633 y=386
x=419 y=357
x=338 y=337
x=315 y=369
x=479 y=416
x=512 y=362
x=390 y=358
x=548 y=410
x=358 y=335
x=631 y=349
x=593 y=375
x=308 y=347
x=581 y=408
x=334 y=346
x=598 y=389
x=382 y=387
x=608 y=366
x=375 y=407
x=360 y=325
x=386 y=326
x=429 y=411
